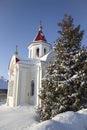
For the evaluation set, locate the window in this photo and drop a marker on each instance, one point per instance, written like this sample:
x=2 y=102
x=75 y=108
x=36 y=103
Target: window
x=32 y=88
x=44 y=51
x=37 y=52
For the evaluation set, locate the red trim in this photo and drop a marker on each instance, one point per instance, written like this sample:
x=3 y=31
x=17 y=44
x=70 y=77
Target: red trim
x=17 y=60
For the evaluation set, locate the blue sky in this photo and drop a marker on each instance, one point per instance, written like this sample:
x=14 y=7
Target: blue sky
x=19 y=20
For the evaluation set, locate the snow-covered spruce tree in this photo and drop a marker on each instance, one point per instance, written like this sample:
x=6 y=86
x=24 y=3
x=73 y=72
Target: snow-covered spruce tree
x=64 y=86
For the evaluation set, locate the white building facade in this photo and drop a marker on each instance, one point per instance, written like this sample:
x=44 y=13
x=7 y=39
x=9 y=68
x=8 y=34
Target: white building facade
x=25 y=75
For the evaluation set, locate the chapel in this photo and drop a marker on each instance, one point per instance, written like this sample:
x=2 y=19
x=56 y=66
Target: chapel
x=25 y=74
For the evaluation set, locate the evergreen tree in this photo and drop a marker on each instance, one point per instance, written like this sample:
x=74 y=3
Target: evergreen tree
x=64 y=86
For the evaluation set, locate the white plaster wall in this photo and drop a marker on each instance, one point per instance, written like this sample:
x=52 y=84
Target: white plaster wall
x=18 y=87
x=33 y=76
x=27 y=74
x=23 y=85
x=23 y=75
x=10 y=101
x=39 y=77
x=11 y=88
x=41 y=45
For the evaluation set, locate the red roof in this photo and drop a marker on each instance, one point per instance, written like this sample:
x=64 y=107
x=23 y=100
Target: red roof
x=40 y=35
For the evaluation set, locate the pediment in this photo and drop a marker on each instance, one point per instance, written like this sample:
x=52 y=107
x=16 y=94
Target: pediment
x=12 y=64
x=49 y=57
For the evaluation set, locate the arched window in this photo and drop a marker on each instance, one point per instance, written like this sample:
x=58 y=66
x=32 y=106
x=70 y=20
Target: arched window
x=37 y=52
x=44 y=51
x=32 y=88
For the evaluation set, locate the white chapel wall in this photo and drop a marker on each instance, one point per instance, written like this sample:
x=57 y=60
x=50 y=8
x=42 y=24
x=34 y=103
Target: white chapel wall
x=27 y=74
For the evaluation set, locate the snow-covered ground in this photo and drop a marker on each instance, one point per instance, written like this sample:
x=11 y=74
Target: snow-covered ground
x=18 y=118
x=24 y=117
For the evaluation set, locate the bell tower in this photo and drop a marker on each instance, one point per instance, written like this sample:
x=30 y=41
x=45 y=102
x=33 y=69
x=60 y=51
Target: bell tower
x=39 y=46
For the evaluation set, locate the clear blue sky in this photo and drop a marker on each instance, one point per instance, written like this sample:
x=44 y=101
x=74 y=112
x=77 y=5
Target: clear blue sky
x=19 y=20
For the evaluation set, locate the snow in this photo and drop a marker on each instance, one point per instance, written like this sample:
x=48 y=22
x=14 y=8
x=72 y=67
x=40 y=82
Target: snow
x=17 y=118
x=27 y=60
x=24 y=117
x=65 y=121
x=48 y=57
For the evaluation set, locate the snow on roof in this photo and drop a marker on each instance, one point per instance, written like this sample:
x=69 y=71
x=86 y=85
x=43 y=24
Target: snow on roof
x=46 y=58
x=21 y=60
x=49 y=56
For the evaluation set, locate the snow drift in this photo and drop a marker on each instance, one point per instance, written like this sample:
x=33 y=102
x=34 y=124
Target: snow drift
x=65 y=121
x=24 y=117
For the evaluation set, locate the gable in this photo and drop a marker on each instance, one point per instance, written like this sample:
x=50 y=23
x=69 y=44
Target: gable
x=49 y=57
x=12 y=64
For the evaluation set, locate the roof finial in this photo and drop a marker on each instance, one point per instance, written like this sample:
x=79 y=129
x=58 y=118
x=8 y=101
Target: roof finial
x=40 y=22
x=16 y=52
x=40 y=26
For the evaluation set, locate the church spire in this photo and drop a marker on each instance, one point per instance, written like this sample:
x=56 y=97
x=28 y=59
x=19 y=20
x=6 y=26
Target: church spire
x=16 y=52
x=39 y=46
x=40 y=36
